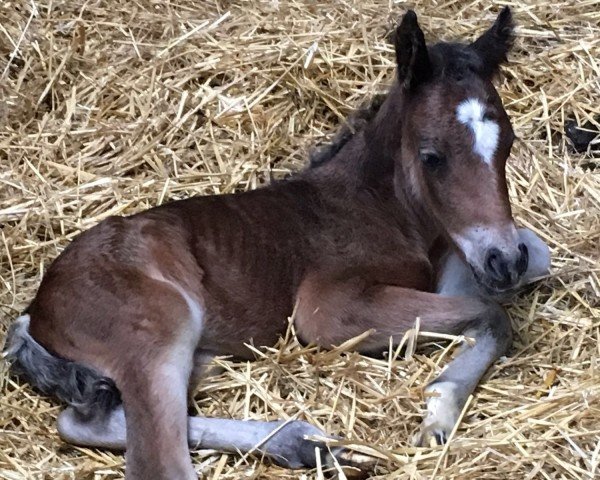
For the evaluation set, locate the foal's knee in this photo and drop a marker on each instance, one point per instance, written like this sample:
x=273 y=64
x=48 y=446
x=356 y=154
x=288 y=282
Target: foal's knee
x=493 y=324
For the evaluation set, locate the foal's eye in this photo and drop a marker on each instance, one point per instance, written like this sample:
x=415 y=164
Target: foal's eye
x=432 y=161
x=489 y=116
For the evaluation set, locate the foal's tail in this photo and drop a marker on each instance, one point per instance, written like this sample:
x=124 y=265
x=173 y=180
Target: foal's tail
x=90 y=393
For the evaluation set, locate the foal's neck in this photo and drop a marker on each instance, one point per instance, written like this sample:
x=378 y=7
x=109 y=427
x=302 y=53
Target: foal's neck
x=366 y=164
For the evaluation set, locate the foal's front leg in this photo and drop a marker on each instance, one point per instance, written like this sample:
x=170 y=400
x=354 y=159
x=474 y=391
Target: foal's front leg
x=331 y=313
x=456 y=279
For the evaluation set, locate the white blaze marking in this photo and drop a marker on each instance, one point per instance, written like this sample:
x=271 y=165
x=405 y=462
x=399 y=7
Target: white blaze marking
x=486 y=132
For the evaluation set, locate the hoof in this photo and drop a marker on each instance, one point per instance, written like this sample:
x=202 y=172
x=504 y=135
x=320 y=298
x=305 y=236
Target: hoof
x=442 y=414
x=356 y=466
x=292 y=447
x=431 y=436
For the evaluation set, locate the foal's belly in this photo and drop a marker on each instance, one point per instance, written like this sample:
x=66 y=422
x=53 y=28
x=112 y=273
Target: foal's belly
x=231 y=325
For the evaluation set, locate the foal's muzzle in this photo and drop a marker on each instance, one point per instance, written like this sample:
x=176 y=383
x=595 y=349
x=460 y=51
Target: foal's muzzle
x=504 y=270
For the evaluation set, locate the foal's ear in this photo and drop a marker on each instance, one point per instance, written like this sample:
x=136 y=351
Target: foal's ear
x=414 y=66
x=493 y=46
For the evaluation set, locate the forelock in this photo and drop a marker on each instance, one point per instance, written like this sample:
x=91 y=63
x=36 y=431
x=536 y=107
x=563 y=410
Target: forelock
x=454 y=61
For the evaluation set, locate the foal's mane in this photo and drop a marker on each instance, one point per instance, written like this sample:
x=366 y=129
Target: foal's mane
x=355 y=123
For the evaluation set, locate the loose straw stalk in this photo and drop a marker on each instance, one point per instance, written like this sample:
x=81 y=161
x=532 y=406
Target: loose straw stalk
x=110 y=107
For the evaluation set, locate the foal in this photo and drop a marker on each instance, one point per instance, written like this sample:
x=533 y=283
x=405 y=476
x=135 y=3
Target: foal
x=410 y=218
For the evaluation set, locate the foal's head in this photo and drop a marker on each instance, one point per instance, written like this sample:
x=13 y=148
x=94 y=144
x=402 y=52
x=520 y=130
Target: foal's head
x=456 y=138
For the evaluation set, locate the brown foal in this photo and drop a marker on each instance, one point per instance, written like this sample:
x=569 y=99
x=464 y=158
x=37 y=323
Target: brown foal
x=409 y=218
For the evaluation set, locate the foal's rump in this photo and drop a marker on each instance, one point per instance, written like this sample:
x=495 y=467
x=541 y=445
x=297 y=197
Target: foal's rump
x=96 y=301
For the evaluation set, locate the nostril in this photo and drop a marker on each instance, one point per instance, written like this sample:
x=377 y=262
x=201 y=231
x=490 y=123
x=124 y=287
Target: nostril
x=492 y=261
x=523 y=260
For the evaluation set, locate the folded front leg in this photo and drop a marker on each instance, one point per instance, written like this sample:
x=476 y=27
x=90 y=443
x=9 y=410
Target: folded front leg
x=330 y=313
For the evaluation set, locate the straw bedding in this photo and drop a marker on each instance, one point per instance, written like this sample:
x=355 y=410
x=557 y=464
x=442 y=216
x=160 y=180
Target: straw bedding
x=109 y=107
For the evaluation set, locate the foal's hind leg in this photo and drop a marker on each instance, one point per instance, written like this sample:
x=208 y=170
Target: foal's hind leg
x=151 y=425
x=155 y=403
x=285 y=443
x=332 y=313
x=152 y=360
x=152 y=434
